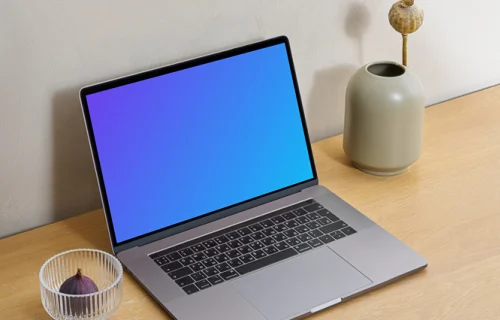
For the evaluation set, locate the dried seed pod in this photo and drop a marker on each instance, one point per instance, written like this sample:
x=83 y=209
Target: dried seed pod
x=405 y=17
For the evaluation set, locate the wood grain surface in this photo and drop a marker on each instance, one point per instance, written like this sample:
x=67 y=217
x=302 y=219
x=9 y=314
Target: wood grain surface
x=446 y=207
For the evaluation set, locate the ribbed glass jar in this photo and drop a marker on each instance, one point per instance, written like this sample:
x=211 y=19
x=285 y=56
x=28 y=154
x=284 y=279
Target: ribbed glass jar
x=103 y=268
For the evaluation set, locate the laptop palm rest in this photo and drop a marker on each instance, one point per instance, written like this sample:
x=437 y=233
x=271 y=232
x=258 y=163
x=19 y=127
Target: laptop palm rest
x=300 y=284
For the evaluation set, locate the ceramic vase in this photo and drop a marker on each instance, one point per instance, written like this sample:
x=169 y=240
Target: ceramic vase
x=384 y=118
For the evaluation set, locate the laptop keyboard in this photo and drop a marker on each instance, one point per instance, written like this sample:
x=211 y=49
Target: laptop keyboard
x=227 y=254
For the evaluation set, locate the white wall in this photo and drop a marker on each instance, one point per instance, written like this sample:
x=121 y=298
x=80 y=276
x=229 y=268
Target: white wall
x=50 y=48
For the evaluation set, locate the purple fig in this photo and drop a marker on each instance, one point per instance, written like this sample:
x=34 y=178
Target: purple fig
x=76 y=285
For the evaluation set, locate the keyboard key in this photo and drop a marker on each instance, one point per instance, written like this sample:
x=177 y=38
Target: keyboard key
x=282 y=246
x=223 y=267
x=258 y=235
x=161 y=261
x=305 y=203
x=187 y=261
x=302 y=229
x=313 y=215
x=247 y=258
x=211 y=252
x=210 y=262
x=198 y=247
x=245 y=249
x=174 y=256
x=233 y=235
x=197 y=266
x=198 y=276
x=247 y=240
x=279 y=237
x=333 y=227
x=313 y=225
x=256 y=245
x=332 y=217
x=280 y=227
x=258 y=254
x=186 y=252
x=323 y=212
x=244 y=232
x=267 y=223
x=270 y=250
x=313 y=207
x=291 y=233
x=159 y=254
x=199 y=256
x=215 y=280
x=293 y=242
x=324 y=221
x=315 y=243
x=329 y=215
x=278 y=219
x=180 y=273
x=348 y=231
x=289 y=216
x=299 y=212
x=235 y=263
x=291 y=224
x=184 y=281
x=223 y=248
x=268 y=241
x=211 y=271
x=190 y=289
x=303 y=220
x=337 y=235
x=228 y=275
x=257 y=264
x=210 y=243
x=315 y=233
x=303 y=247
x=326 y=238
x=203 y=284
x=233 y=254
x=172 y=266
x=304 y=237
x=222 y=239
x=269 y=232
x=221 y=258
x=256 y=227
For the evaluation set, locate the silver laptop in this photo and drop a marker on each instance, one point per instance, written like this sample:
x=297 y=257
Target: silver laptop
x=212 y=198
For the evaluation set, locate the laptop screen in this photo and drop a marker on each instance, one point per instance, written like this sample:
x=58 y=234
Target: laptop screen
x=181 y=145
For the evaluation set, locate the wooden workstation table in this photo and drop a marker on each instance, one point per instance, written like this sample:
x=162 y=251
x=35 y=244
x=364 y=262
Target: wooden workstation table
x=446 y=207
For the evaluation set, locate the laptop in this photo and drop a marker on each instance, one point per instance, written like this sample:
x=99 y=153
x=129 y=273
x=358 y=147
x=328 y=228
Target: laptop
x=211 y=194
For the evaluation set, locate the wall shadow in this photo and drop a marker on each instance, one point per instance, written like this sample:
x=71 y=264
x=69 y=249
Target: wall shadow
x=356 y=24
x=326 y=104
x=74 y=186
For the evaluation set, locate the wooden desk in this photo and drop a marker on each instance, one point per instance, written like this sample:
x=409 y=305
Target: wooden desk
x=447 y=207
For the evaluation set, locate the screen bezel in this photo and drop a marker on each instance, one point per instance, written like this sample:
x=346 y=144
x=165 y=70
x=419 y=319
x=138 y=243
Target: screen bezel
x=214 y=215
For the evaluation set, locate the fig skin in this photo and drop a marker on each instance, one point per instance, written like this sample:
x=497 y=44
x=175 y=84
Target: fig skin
x=79 y=285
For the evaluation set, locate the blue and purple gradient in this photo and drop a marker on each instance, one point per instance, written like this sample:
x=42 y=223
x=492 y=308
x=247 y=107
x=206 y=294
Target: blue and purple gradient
x=181 y=145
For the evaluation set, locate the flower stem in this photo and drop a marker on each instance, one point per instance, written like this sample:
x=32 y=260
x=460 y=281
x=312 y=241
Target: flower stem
x=405 y=49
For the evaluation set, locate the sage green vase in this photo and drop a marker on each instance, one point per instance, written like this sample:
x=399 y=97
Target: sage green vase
x=384 y=118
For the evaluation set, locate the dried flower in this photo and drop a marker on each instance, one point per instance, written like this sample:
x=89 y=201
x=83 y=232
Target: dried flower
x=405 y=17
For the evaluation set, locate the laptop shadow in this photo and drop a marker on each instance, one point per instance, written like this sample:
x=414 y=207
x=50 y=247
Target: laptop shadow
x=74 y=186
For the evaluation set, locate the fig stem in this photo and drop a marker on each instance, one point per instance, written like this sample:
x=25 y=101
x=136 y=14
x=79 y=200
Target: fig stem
x=79 y=272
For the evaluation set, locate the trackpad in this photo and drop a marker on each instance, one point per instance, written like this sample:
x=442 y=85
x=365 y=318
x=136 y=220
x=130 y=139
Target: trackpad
x=297 y=285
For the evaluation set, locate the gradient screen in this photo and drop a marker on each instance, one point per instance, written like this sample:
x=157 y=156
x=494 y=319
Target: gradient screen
x=184 y=144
